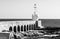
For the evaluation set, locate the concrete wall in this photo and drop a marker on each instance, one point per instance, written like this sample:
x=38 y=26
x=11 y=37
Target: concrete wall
x=4 y=25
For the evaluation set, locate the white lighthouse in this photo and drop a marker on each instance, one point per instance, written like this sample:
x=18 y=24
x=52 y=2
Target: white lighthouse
x=35 y=17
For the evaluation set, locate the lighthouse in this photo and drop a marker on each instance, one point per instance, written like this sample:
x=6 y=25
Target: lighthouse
x=35 y=18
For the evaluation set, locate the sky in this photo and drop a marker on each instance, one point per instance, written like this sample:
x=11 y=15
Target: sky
x=46 y=9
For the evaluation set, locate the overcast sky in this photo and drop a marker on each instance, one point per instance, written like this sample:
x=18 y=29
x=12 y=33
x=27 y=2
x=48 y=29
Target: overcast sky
x=49 y=9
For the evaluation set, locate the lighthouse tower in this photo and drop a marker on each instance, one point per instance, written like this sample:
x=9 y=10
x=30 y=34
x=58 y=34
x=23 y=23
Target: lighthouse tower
x=35 y=18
